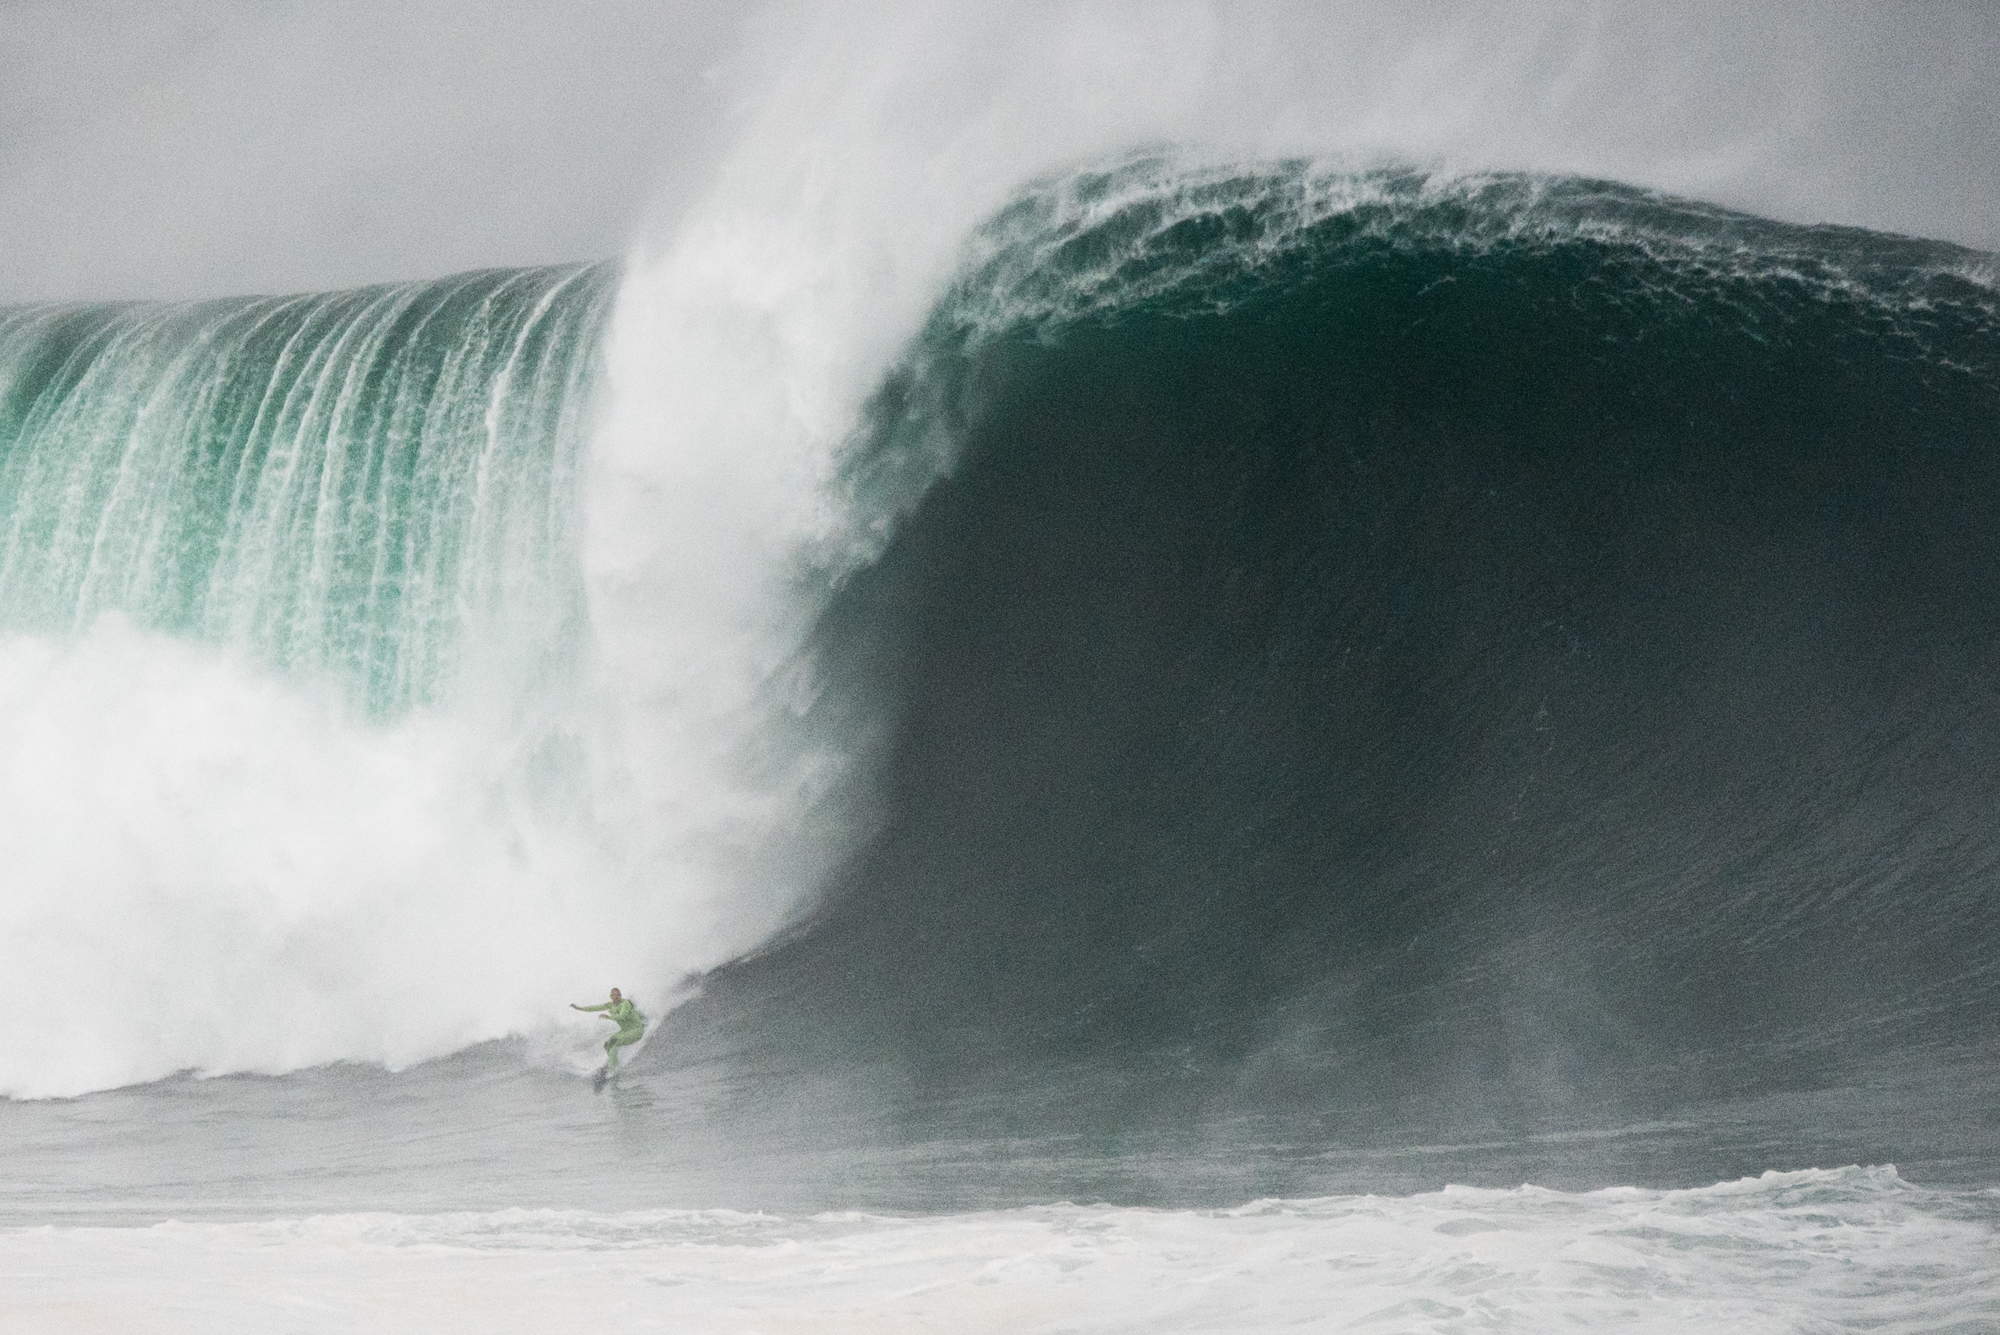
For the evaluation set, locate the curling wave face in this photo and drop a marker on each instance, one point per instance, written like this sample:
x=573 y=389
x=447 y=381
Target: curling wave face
x=1396 y=642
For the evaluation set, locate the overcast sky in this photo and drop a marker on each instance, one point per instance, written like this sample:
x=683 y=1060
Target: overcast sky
x=160 y=148
x=154 y=148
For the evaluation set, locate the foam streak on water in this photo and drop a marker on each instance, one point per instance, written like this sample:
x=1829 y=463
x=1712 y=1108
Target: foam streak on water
x=1853 y=1249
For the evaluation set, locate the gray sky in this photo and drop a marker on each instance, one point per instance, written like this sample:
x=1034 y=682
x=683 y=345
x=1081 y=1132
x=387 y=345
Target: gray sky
x=155 y=148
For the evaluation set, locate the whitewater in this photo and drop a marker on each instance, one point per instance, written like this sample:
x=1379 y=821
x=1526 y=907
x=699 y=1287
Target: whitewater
x=1183 y=721
x=1851 y=1250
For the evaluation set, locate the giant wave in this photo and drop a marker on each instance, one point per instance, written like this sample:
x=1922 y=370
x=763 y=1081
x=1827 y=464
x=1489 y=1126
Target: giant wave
x=1276 y=641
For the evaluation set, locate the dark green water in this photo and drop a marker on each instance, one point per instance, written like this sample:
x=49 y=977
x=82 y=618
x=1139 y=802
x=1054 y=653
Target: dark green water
x=1504 y=655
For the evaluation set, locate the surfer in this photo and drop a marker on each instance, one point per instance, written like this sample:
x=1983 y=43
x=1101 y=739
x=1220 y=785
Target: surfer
x=631 y=1025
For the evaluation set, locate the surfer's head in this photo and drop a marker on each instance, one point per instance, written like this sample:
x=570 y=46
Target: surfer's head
x=614 y=994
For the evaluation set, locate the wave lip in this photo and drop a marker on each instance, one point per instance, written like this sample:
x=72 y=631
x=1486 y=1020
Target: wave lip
x=1170 y=228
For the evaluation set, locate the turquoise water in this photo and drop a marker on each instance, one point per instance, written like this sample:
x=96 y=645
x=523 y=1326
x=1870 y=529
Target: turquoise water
x=350 y=485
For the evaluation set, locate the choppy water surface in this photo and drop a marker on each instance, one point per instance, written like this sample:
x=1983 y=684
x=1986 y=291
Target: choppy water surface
x=1857 y=1249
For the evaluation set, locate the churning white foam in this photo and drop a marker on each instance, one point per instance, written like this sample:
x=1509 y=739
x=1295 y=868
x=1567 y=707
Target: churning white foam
x=213 y=868
x=1853 y=1249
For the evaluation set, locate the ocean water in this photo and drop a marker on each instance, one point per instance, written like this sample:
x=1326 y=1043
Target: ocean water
x=1856 y=1249
x=1287 y=746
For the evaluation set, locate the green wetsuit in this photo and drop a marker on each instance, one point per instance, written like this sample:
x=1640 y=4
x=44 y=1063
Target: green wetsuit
x=631 y=1026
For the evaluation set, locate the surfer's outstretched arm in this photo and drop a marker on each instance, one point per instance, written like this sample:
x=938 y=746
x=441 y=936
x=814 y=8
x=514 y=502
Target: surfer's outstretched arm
x=602 y=1006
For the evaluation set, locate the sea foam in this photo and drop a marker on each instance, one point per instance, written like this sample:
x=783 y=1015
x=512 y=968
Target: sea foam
x=1853 y=1249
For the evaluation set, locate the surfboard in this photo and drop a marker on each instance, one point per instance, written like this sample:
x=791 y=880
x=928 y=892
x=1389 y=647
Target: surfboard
x=626 y=1056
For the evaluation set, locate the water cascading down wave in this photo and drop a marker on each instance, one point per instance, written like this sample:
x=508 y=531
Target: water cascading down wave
x=308 y=750
x=350 y=486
